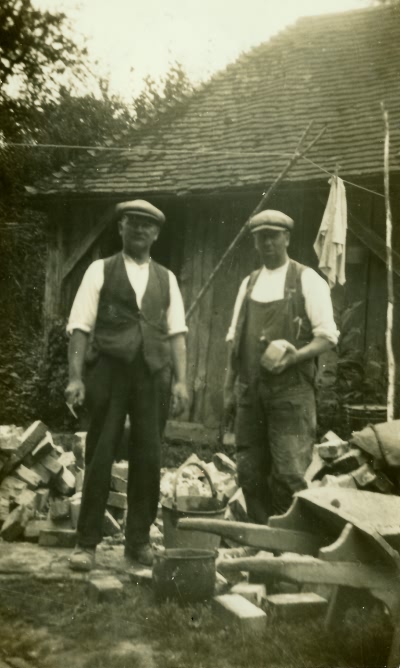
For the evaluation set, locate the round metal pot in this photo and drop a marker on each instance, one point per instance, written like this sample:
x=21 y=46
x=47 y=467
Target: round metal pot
x=186 y=575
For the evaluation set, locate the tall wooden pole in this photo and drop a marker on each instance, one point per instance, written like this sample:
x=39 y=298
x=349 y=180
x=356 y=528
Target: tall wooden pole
x=299 y=153
x=390 y=288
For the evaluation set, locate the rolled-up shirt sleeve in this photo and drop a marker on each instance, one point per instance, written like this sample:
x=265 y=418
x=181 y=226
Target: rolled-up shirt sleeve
x=176 y=323
x=84 y=309
x=236 y=309
x=318 y=305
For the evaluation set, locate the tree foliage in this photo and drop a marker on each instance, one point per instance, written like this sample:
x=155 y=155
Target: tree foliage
x=36 y=49
x=42 y=120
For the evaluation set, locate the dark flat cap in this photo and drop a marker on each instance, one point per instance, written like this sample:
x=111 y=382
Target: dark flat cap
x=139 y=207
x=271 y=220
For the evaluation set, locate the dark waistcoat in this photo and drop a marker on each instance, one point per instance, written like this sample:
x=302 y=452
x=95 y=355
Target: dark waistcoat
x=281 y=319
x=122 y=329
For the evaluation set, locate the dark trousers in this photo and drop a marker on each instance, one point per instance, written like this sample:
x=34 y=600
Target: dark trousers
x=114 y=390
x=275 y=432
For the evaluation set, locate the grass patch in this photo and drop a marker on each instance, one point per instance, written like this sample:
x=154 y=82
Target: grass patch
x=39 y=621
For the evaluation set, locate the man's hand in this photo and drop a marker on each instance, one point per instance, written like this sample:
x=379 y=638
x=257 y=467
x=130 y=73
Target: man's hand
x=288 y=359
x=180 y=398
x=75 y=393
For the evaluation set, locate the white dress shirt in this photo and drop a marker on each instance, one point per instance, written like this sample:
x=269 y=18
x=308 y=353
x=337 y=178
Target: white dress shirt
x=270 y=286
x=84 y=309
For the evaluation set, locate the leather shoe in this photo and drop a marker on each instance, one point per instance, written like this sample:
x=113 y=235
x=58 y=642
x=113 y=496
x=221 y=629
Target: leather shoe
x=82 y=558
x=141 y=554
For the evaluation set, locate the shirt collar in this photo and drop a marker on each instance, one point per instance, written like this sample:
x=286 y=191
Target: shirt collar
x=275 y=272
x=130 y=260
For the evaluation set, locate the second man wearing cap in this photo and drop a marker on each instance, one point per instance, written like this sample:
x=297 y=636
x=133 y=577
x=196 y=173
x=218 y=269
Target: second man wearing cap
x=289 y=306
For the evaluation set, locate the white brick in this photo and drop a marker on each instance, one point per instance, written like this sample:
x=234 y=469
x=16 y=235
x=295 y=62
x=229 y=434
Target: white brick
x=140 y=574
x=117 y=500
x=235 y=608
x=255 y=593
x=294 y=606
x=104 y=588
x=120 y=469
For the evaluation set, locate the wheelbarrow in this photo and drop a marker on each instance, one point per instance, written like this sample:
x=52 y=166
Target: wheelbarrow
x=345 y=538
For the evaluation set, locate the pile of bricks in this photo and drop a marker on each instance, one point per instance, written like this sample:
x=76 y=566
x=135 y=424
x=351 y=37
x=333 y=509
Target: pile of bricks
x=41 y=487
x=341 y=463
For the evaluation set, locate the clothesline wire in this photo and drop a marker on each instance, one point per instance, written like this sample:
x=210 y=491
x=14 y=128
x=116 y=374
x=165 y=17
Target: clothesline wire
x=180 y=151
x=368 y=190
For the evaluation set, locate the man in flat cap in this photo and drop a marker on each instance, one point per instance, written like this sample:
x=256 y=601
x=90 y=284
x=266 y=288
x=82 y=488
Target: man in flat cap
x=282 y=321
x=128 y=324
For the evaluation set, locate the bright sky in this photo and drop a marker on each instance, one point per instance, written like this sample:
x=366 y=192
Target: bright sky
x=203 y=35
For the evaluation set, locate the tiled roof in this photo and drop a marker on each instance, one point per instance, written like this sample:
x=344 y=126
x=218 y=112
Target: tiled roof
x=238 y=129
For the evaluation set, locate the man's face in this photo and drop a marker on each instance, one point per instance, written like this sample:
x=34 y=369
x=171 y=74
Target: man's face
x=138 y=233
x=272 y=247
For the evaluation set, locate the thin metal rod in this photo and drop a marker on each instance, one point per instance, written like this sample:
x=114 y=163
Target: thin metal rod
x=299 y=153
x=390 y=286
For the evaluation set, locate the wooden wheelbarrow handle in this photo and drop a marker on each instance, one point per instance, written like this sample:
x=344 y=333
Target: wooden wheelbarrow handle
x=311 y=570
x=256 y=535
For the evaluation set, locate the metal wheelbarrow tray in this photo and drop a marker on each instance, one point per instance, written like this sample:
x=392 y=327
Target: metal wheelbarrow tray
x=345 y=538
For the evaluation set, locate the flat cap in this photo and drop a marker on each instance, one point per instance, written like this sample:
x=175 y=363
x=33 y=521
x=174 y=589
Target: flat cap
x=139 y=207
x=271 y=220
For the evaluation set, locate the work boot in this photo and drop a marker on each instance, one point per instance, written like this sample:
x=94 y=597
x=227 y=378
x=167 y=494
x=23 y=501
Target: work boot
x=82 y=558
x=141 y=554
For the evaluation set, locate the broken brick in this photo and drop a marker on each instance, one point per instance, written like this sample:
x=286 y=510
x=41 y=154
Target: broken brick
x=51 y=464
x=34 y=527
x=332 y=449
x=31 y=437
x=296 y=606
x=29 y=477
x=117 y=500
x=57 y=538
x=25 y=498
x=14 y=525
x=64 y=482
x=349 y=462
x=140 y=574
x=119 y=484
x=59 y=508
x=224 y=463
x=12 y=486
x=346 y=481
x=43 y=448
x=42 y=472
x=364 y=475
x=121 y=469
x=255 y=593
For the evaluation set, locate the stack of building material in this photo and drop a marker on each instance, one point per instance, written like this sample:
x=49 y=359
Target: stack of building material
x=41 y=487
x=341 y=463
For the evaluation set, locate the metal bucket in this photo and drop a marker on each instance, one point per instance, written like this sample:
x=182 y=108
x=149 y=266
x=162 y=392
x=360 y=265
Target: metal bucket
x=186 y=575
x=359 y=416
x=193 y=507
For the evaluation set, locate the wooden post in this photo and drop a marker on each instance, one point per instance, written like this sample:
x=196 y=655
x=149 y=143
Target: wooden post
x=390 y=288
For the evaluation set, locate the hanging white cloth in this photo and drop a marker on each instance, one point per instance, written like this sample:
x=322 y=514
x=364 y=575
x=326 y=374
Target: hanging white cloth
x=330 y=244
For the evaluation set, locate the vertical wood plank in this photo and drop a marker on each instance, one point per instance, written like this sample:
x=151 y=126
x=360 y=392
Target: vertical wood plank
x=52 y=306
